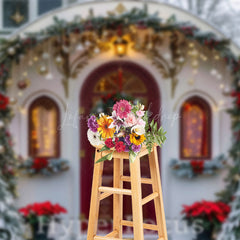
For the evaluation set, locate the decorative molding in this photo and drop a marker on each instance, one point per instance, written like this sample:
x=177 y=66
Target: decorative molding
x=28 y=100
x=178 y=103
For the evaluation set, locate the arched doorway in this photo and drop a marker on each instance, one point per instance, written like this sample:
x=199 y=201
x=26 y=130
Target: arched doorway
x=137 y=82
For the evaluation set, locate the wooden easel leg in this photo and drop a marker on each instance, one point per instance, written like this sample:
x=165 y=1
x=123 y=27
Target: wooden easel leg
x=117 y=198
x=158 y=202
x=136 y=200
x=95 y=198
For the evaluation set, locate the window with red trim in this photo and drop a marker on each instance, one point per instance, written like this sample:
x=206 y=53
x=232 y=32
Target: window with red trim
x=44 y=136
x=195 y=129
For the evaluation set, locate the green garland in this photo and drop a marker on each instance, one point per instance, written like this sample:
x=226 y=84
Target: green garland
x=12 y=50
x=195 y=168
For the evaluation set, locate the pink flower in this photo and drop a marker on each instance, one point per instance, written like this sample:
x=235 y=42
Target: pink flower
x=141 y=122
x=130 y=120
x=140 y=113
x=122 y=108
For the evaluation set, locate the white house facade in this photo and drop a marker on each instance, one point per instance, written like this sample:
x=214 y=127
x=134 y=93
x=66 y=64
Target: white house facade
x=65 y=188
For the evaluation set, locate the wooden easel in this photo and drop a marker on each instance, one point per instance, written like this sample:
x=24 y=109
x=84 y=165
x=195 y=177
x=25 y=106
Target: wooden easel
x=100 y=192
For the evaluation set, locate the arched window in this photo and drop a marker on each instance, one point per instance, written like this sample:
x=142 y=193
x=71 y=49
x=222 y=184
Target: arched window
x=195 y=129
x=44 y=138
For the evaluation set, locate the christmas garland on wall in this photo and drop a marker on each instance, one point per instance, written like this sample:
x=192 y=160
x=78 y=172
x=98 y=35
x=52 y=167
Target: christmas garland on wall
x=194 y=168
x=43 y=166
x=12 y=50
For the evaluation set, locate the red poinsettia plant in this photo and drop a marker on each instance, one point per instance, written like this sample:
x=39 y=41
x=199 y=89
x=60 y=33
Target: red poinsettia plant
x=45 y=210
x=210 y=214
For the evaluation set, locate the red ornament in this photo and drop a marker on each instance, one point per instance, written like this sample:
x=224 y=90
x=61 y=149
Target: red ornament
x=237 y=96
x=3 y=102
x=197 y=166
x=22 y=84
x=40 y=163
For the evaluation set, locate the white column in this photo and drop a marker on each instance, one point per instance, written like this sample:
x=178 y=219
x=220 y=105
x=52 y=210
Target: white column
x=33 y=9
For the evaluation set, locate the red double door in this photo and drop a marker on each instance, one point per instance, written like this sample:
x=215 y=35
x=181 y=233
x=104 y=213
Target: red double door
x=138 y=83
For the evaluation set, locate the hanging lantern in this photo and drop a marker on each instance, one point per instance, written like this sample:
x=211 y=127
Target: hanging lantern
x=120 y=47
x=58 y=60
x=42 y=70
x=13 y=101
x=227 y=91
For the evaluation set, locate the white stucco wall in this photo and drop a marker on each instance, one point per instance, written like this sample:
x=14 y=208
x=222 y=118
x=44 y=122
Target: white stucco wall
x=65 y=188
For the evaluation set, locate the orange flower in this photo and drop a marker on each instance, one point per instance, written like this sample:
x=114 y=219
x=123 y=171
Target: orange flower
x=103 y=128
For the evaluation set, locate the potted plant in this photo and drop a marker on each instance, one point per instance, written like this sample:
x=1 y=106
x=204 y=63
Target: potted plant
x=39 y=215
x=207 y=215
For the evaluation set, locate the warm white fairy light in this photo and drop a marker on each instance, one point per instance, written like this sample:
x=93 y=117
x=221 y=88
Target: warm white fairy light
x=22 y=110
x=79 y=47
x=25 y=74
x=213 y=72
x=221 y=102
x=219 y=76
x=195 y=71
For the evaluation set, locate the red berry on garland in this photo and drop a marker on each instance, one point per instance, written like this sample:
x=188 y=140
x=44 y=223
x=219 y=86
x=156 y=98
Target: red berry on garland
x=3 y=102
x=237 y=95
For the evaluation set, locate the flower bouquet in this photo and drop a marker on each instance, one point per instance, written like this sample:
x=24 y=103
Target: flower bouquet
x=127 y=129
x=207 y=215
x=39 y=215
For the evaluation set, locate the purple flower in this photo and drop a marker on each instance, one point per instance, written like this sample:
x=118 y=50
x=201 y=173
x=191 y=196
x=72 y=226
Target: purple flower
x=127 y=140
x=136 y=148
x=92 y=123
x=126 y=149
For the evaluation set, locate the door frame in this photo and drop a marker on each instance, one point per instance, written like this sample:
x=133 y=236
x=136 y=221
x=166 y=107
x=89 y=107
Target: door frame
x=85 y=92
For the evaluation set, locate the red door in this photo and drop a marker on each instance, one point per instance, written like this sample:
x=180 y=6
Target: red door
x=136 y=82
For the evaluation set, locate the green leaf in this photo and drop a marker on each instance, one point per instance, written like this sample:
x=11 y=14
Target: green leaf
x=132 y=156
x=155 y=127
x=109 y=156
x=104 y=148
x=106 y=157
x=152 y=123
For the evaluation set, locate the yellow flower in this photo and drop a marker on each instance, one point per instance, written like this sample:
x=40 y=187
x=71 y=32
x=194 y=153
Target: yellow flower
x=104 y=130
x=137 y=139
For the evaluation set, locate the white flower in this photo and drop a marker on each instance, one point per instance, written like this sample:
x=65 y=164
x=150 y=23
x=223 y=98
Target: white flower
x=141 y=107
x=138 y=129
x=117 y=121
x=94 y=138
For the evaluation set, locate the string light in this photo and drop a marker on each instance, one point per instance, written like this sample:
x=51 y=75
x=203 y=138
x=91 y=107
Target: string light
x=22 y=110
x=221 y=86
